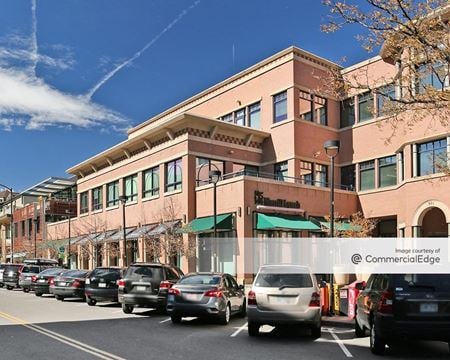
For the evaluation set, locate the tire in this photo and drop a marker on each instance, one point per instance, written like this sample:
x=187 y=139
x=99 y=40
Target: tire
x=224 y=318
x=377 y=344
x=9 y=287
x=243 y=312
x=253 y=329
x=1 y=285
x=360 y=331
x=316 y=331
x=26 y=290
x=90 y=302
x=127 y=309
x=449 y=346
x=175 y=319
x=59 y=297
x=38 y=293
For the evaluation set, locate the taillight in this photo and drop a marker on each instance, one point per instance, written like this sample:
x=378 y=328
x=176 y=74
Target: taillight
x=251 y=297
x=315 y=300
x=51 y=281
x=173 y=291
x=386 y=303
x=121 y=283
x=165 y=285
x=76 y=284
x=33 y=279
x=216 y=293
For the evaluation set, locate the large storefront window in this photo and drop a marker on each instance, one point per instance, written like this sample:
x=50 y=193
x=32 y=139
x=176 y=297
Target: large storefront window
x=367 y=175
x=431 y=157
x=387 y=170
x=130 y=187
x=174 y=175
x=151 y=182
x=112 y=197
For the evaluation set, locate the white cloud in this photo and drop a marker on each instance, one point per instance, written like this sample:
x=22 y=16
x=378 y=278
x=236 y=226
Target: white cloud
x=36 y=105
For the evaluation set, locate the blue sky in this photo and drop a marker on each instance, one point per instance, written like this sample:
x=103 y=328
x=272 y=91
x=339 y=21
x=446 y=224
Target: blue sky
x=71 y=77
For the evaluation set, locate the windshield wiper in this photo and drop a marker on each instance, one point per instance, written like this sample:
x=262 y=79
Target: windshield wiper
x=286 y=286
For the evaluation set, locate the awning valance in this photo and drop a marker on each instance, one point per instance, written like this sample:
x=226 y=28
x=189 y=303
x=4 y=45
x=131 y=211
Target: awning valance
x=283 y=222
x=206 y=224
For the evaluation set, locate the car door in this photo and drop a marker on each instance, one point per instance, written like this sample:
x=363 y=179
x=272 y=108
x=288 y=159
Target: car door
x=363 y=302
x=232 y=293
x=239 y=296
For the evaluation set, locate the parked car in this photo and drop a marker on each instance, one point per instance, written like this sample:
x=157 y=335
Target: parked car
x=2 y=268
x=398 y=306
x=70 y=284
x=27 y=273
x=208 y=295
x=284 y=295
x=146 y=285
x=41 y=282
x=41 y=261
x=11 y=275
x=101 y=285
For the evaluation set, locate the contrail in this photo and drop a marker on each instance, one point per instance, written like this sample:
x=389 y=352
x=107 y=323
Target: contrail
x=113 y=72
x=34 y=44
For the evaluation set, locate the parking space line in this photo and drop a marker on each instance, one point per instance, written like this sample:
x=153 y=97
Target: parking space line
x=341 y=344
x=236 y=333
x=166 y=320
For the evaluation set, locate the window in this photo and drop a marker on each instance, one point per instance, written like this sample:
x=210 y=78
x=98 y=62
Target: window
x=435 y=75
x=365 y=106
x=84 y=202
x=112 y=194
x=173 y=175
x=347 y=112
x=97 y=198
x=348 y=177
x=367 y=175
x=280 y=170
x=306 y=106
x=306 y=172
x=385 y=94
x=280 y=107
x=240 y=117
x=254 y=118
x=431 y=157
x=130 y=188
x=321 y=175
x=204 y=166
x=228 y=118
x=150 y=182
x=313 y=108
x=387 y=171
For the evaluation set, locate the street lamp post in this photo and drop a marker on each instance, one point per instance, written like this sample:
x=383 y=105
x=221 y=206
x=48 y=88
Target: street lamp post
x=214 y=177
x=123 y=200
x=332 y=149
x=70 y=238
x=11 y=223
x=35 y=221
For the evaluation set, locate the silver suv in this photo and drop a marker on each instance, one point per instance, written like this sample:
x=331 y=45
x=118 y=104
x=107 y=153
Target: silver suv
x=284 y=295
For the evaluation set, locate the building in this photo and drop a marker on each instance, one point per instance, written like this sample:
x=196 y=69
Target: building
x=264 y=130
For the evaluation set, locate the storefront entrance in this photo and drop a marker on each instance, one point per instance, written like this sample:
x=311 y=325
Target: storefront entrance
x=434 y=224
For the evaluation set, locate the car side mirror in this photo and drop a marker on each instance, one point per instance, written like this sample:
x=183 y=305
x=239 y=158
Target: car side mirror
x=360 y=286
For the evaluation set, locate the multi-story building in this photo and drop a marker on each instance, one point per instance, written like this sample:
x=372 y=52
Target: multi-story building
x=264 y=130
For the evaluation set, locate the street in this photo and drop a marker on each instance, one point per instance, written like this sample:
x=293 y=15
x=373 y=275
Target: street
x=43 y=328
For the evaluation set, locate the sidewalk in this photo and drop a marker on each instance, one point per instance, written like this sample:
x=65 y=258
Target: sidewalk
x=337 y=321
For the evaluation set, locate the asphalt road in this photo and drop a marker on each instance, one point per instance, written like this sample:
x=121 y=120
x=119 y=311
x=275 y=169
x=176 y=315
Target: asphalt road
x=43 y=328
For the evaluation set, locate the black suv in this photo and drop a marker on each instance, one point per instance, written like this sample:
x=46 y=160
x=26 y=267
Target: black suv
x=101 y=285
x=147 y=285
x=11 y=275
x=400 y=306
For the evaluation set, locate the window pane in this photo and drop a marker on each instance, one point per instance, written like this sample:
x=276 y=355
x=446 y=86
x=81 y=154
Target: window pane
x=432 y=157
x=321 y=175
x=306 y=172
x=305 y=106
x=367 y=175
x=347 y=113
x=254 y=117
x=173 y=175
x=240 y=117
x=348 y=177
x=388 y=171
x=365 y=102
x=320 y=110
x=281 y=170
x=280 y=107
x=385 y=94
x=228 y=117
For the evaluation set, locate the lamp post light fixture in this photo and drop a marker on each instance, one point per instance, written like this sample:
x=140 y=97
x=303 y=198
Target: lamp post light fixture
x=123 y=200
x=11 y=215
x=214 y=177
x=68 y=212
x=332 y=149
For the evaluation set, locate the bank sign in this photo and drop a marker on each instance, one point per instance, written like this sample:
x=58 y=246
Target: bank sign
x=260 y=199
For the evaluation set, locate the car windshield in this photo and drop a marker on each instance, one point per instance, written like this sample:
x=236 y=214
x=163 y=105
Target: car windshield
x=12 y=267
x=200 y=280
x=75 y=273
x=30 y=269
x=283 y=280
x=105 y=273
x=419 y=282
x=137 y=272
x=52 y=271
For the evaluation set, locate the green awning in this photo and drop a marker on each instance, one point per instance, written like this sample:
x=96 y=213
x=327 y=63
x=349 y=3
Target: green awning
x=206 y=224
x=283 y=222
x=341 y=226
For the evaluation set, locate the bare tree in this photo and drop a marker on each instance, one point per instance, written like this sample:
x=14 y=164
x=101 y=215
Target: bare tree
x=415 y=36
x=92 y=230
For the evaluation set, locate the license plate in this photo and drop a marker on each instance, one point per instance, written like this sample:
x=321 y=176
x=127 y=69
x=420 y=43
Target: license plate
x=62 y=284
x=141 y=288
x=42 y=280
x=428 y=308
x=282 y=300
x=192 y=297
x=101 y=285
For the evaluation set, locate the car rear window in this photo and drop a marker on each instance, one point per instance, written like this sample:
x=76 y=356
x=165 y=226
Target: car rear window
x=420 y=282
x=272 y=280
x=75 y=273
x=12 y=267
x=30 y=269
x=200 y=280
x=137 y=272
x=108 y=274
x=51 y=271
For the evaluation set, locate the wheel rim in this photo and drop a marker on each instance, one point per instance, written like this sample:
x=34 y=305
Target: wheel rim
x=372 y=336
x=227 y=314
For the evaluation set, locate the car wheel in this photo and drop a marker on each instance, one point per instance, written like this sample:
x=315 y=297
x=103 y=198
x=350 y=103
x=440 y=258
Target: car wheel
x=243 y=312
x=26 y=290
x=38 y=293
x=59 y=297
x=175 y=319
x=253 y=329
x=377 y=344
x=316 y=331
x=225 y=316
x=91 y=302
x=360 y=331
x=9 y=287
x=1 y=285
x=127 y=309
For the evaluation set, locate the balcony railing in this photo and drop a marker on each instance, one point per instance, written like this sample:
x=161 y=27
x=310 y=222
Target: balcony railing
x=282 y=178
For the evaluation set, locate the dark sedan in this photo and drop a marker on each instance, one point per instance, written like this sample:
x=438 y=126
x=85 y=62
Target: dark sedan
x=101 y=285
x=70 y=284
x=207 y=295
x=41 y=282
